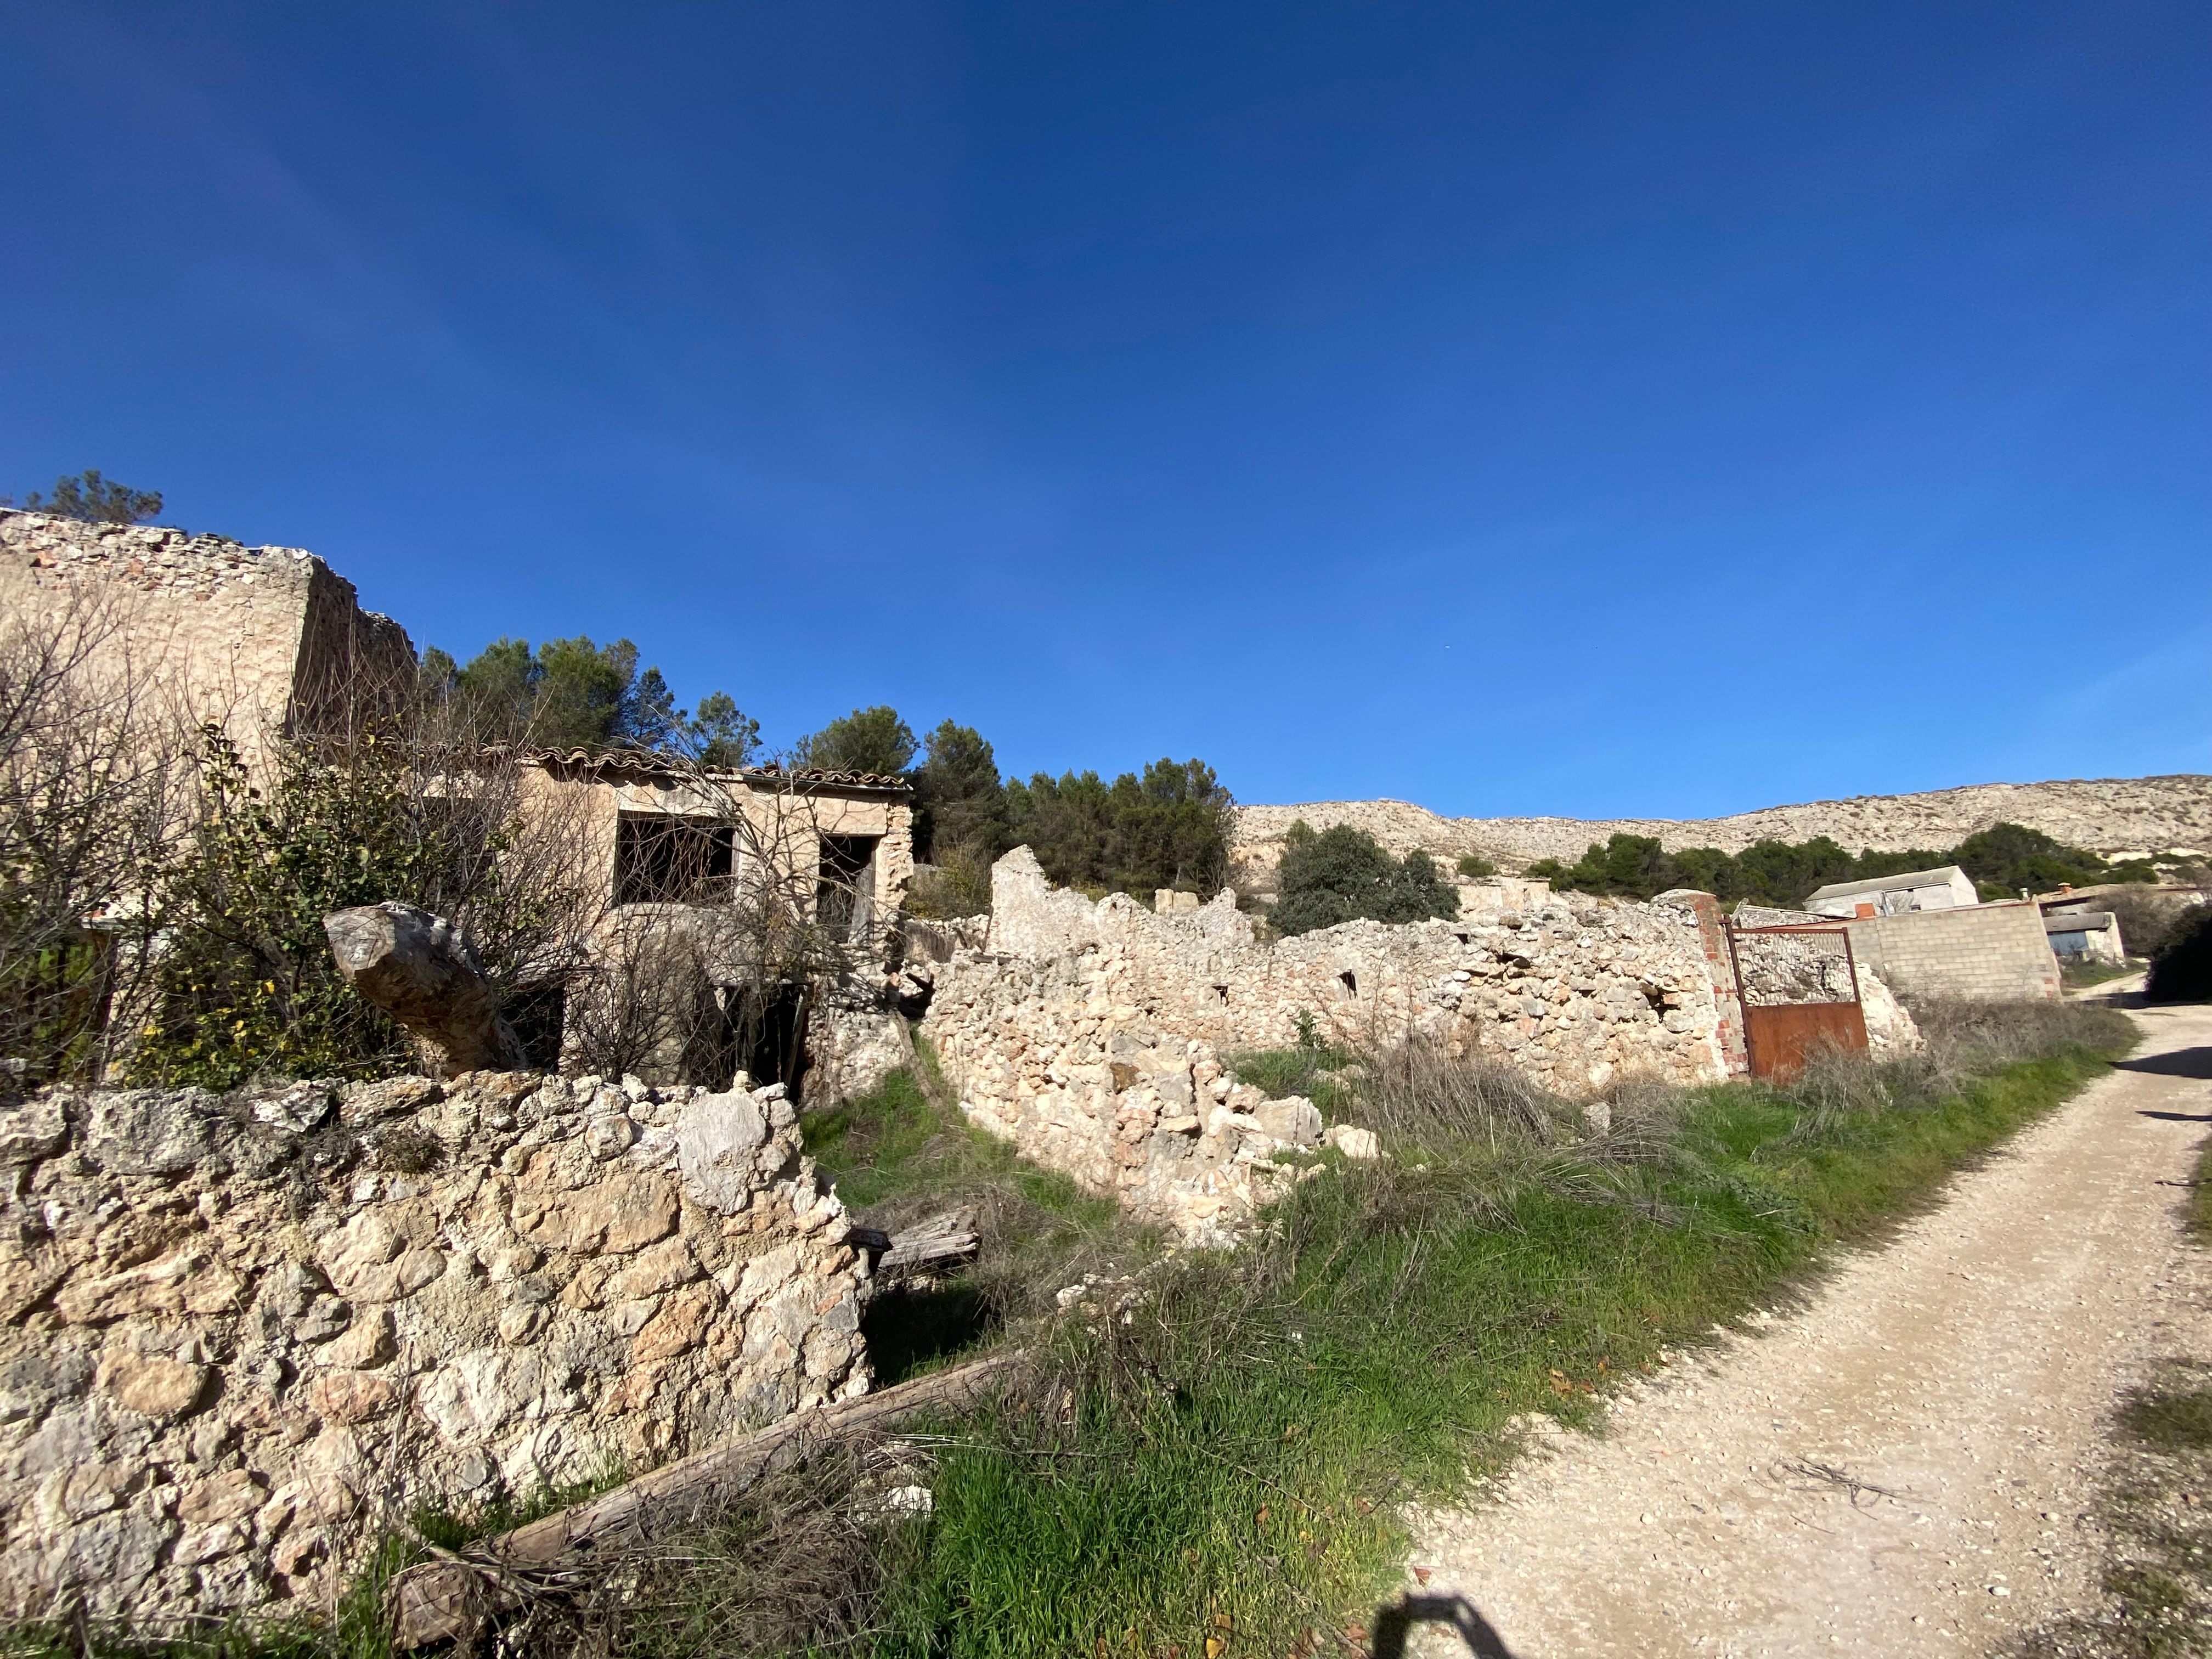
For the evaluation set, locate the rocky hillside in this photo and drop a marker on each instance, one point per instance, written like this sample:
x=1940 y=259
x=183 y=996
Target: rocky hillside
x=2116 y=816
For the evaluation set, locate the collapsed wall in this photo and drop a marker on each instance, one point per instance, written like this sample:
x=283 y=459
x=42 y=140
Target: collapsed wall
x=258 y=639
x=243 y=1333
x=1092 y=1035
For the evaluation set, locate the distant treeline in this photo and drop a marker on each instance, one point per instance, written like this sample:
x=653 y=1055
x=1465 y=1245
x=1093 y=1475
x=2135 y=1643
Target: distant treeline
x=2002 y=859
x=1169 y=826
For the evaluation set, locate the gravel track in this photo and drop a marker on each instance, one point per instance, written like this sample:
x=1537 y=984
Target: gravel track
x=1904 y=1465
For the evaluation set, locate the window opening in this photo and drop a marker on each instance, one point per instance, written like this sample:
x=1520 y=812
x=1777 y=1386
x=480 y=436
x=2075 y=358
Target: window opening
x=664 y=859
x=1350 y=981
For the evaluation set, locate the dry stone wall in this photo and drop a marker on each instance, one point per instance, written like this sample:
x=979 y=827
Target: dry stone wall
x=242 y=1331
x=1093 y=1036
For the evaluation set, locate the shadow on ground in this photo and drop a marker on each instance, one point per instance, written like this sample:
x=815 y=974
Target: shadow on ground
x=1395 y=1622
x=907 y=1327
x=2181 y=1063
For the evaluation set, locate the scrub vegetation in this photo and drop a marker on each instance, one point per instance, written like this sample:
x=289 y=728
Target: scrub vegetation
x=1208 y=1450
x=1343 y=874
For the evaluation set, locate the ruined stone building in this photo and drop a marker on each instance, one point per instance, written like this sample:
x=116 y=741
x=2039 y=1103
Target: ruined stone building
x=270 y=642
x=689 y=867
x=260 y=640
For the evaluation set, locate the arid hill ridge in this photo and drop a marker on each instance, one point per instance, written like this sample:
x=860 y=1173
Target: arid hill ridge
x=2115 y=817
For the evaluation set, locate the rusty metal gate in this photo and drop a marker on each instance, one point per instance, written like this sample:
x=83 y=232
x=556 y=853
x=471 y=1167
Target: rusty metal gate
x=1800 y=991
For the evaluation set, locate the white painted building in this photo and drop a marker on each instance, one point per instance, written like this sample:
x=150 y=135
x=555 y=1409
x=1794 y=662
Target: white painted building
x=1947 y=889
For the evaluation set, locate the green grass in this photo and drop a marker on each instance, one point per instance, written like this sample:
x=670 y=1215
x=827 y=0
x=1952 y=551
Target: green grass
x=897 y=1145
x=1238 y=1449
x=2079 y=976
x=2172 y=1419
x=897 y=1156
x=1224 y=1457
x=1314 y=1070
x=2157 y=1528
x=2198 y=1213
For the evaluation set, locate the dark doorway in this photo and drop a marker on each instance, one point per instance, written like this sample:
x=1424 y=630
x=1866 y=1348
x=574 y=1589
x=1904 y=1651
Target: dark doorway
x=845 y=895
x=761 y=1034
x=538 y=1014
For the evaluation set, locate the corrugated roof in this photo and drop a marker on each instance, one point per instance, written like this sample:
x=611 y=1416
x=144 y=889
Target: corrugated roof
x=1888 y=884
x=2077 y=921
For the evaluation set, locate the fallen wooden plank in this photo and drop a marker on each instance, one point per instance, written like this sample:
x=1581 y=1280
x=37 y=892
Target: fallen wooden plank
x=942 y=1239
x=447 y=1597
x=906 y=1253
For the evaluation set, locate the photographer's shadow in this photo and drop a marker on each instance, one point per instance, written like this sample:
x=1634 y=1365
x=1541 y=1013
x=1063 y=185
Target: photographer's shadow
x=1394 y=1623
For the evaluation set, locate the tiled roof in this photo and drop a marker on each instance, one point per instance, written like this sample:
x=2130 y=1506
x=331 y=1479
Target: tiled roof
x=644 y=761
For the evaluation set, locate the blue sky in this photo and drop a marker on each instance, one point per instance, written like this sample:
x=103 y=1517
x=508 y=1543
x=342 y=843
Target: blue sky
x=1666 y=410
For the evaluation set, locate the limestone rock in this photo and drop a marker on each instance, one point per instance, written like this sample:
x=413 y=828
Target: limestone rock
x=1295 y=1119
x=32 y=1131
x=223 y=1356
x=1358 y=1144
x=415 y=967
x=153 y=1131
x=152 y=1387
x=717 y=1138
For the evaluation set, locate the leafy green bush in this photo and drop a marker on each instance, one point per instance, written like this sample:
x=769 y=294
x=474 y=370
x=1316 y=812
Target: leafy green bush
x=958 y=884
x=574 y=693
x=1343 y=874
x=95 y=500
x=867 y=740
x=1474 y=866
x=243 y=981
x=1170 y=828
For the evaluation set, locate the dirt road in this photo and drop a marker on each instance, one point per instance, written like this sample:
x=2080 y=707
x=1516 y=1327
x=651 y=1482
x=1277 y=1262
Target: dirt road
x=1960 y=1376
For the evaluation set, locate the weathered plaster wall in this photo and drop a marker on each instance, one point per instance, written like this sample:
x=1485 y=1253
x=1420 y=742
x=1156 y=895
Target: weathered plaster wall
x=259 y=638
x=240 y=1333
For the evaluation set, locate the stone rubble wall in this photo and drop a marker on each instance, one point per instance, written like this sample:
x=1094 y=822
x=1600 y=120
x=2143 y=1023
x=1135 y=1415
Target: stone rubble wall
x=1093 y=1036
x=257 y=639
x=242 y=1332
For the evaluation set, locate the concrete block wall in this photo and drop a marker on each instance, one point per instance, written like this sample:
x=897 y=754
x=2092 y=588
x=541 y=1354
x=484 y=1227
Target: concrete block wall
x=1982 y=953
